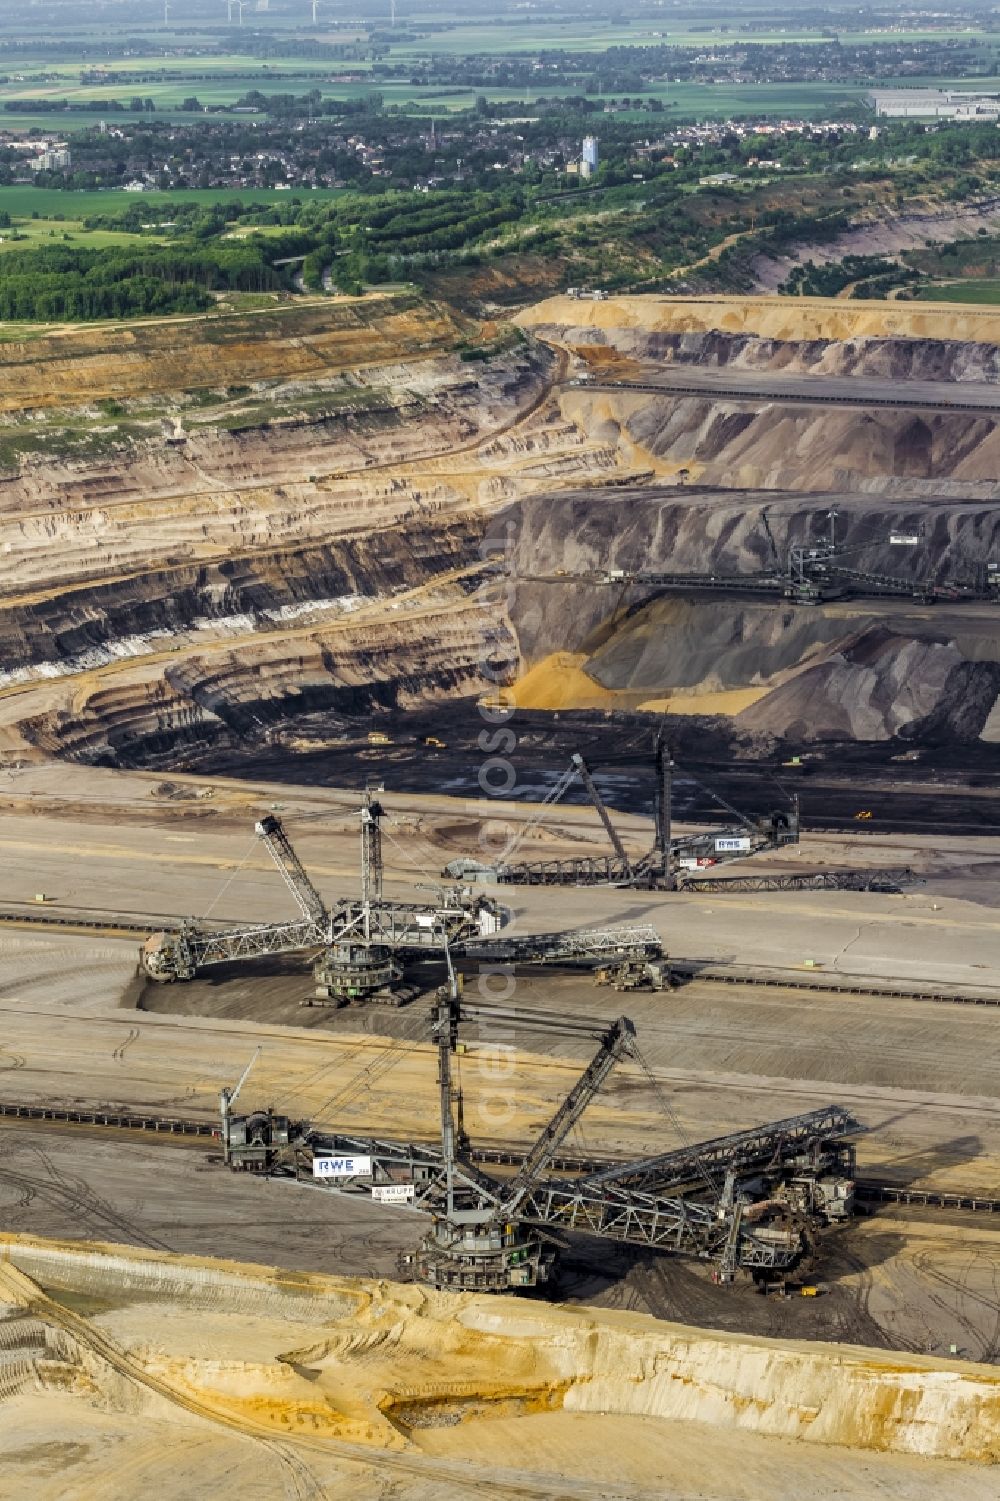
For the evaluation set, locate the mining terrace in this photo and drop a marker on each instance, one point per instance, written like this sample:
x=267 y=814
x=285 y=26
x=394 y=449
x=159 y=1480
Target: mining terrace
x=302 y=552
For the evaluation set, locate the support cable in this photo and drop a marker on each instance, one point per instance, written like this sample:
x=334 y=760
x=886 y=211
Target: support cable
x=218 y=898
x=717 y=797
x=552 y=796
x=406 y=855
x=673 y=1118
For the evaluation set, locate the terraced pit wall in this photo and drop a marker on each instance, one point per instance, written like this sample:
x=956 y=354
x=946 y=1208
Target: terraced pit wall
x=202 y=567
x=866 y=669
x=241 y=556
x=721 y=470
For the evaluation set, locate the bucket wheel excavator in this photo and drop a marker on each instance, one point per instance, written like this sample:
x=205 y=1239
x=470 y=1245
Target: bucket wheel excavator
x=753 y=1203
x=362 y=944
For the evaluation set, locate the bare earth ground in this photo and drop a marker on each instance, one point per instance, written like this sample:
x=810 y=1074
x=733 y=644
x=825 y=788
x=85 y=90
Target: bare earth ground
x=77 y=1026
x=179 y=1373
x=301 y=571
x=920 y=1075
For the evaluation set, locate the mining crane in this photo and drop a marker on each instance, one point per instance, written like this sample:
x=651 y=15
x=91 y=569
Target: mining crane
x=355 y=939
x=755 y=1201
x=573 y=946
x=658 y=867
x=479 y=1240
x=583 y=772
x=292 y=871
x=360 y=944
x=182 y=954
x=664 y=855
x=615 y=868
x=227 y=1099
x=257 y=1142
x=491 y=1235
x=798 y=1139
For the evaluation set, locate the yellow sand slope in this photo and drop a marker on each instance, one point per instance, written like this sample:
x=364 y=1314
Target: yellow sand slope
x=771 y=317
x=253 y=1352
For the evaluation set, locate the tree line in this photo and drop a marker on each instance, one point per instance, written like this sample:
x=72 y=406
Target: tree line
x=64 y=283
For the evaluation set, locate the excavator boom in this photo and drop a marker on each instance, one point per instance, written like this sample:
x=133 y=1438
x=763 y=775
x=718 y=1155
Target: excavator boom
x=583 y=772
x=279 y=847
x=617 y=1041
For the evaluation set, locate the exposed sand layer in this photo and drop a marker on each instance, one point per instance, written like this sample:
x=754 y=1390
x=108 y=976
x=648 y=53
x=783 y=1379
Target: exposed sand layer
x=626 y=354
x=171 y=355
x=323 y=1373
x=560 y=681
x=769 y=317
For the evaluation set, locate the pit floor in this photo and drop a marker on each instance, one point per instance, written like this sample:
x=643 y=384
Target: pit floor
x=78 y=1027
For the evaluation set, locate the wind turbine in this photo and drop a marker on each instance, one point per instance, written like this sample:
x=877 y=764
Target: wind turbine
x=392 y=13
x=314 y=5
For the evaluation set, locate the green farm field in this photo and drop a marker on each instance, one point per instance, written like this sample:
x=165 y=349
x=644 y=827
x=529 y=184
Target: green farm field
x=219 y=78
x=216 y=62
x=65 y=122
x=22 y=203
x=168 y=98
x=722 y=101
x=36 y=232
x=986 y=291
x=61 y=214
x=522 y=34
x=684 y=100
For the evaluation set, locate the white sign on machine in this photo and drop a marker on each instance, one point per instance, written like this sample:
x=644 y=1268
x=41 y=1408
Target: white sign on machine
x=342 y=1167
x=394 y=1193
x=730 y=844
